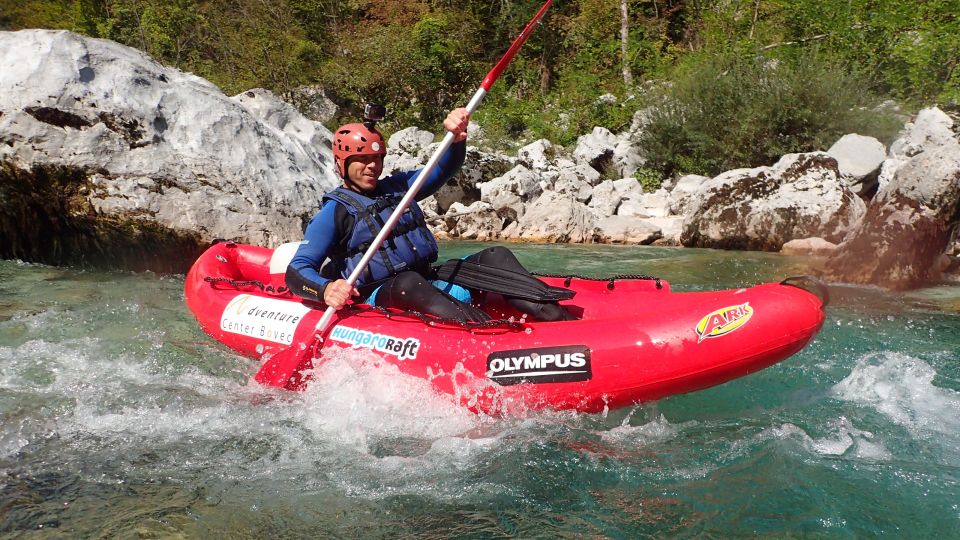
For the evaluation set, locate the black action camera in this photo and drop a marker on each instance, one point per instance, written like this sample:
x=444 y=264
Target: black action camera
x=374 y=112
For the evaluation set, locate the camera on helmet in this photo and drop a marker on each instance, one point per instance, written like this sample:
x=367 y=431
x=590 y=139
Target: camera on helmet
x=373 y=113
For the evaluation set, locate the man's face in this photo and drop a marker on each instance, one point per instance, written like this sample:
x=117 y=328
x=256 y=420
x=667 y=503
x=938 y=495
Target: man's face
x=363 y=171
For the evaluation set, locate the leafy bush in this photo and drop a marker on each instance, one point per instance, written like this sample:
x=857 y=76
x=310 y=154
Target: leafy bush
x=735 y=112
x=649 y=179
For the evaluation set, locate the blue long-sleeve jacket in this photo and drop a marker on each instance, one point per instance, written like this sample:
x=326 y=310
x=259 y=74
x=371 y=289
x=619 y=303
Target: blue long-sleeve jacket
x=329 y=231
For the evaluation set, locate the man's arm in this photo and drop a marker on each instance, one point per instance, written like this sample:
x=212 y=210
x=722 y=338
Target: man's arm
x=303 y=273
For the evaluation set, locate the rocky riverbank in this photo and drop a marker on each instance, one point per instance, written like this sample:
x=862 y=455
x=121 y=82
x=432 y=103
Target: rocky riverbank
x=108 y=158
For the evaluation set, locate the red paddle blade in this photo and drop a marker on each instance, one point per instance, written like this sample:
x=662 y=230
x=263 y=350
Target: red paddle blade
x=285 y=368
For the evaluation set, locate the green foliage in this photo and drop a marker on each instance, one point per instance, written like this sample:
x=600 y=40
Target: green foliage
x=911 y=49
x=16 y=14
x=649 y=179
x=727 y=106
x=739 y=112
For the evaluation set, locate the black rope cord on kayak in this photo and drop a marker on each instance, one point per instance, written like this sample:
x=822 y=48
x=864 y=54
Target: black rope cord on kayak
x=238 y=284
x=568 y=278
x=433 y=320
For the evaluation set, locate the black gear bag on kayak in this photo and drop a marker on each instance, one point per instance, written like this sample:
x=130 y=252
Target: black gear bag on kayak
x=499 y=280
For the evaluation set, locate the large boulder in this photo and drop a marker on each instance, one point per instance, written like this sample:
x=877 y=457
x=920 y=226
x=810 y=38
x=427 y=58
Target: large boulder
x=410 y=149
x=684 y=192
x=479 y=221
x=859 y=159
x=761 y=209
x=407 y=150
x=627 y=158
x=671 y=227
x=564 y=175
x=509 y=193
x=553 y=218
x=809 y=246
x=574 y=185
x=932 y=128
x=887 y=171
x=107 y=157
x=908 y=226
x=608 y=153
x=640 y=204
x=312 y=136
x=314 y=103
x=626 y=230
x=608 y=195
x=596 y=149
x=537 y=155
x=478 y=166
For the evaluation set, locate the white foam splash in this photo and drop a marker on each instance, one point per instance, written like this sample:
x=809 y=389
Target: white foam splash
x=362 y=422
x=844 y=440
x=354 y=395
x=656 y=430
x=901 y=388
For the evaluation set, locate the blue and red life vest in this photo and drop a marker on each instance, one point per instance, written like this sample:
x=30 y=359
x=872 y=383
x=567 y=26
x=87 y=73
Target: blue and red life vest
x=410 y=245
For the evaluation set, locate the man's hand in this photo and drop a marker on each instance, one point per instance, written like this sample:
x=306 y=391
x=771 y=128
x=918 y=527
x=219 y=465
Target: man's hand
x=336 y=293
x=456 y=123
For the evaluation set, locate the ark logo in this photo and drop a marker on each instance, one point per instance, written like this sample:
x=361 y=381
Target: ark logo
x=723 y=321
x=543 y=365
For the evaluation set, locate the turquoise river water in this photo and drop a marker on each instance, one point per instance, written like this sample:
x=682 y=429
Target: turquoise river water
x=120 y=418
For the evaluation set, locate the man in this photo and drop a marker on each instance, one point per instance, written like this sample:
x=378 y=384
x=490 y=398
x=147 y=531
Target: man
x=399 y=275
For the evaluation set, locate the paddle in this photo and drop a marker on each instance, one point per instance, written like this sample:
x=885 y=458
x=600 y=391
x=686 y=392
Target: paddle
x=282 y=369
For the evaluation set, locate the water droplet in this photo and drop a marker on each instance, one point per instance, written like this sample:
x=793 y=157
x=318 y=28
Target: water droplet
x=259 y=348
x=528 y=330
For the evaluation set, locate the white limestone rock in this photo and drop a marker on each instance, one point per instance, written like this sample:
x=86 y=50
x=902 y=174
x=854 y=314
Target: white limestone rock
x=656 y=204
x=407 y=150
x=312 y=101
x=608 y=195
x=801 y=196
x=596 y=148
x=554 y=218
x=626 y=230
x=859 y=159
x=538 y=155
x=627 y=158
x=479 y=221
x=815 y=246
x=509 y=193
x=160 y=145
x=909 y=225
x=931 y=128
x=686 y=189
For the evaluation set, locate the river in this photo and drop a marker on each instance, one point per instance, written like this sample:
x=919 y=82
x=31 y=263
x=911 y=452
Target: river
x=121 y=418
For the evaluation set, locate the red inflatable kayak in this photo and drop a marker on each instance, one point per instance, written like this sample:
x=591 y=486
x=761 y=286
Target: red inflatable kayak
x=635 y=341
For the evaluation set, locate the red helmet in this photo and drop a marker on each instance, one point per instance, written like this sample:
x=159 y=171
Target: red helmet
x=356 y=140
